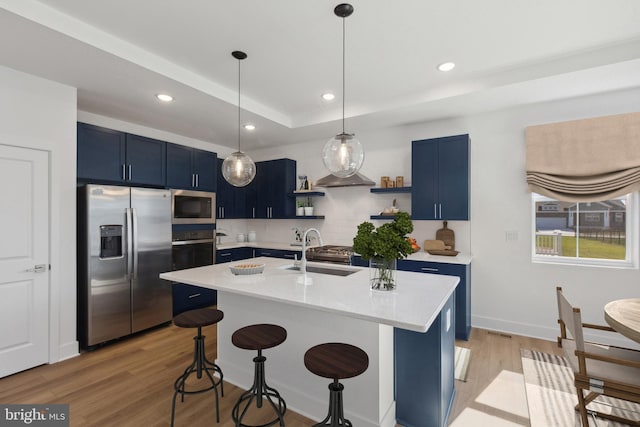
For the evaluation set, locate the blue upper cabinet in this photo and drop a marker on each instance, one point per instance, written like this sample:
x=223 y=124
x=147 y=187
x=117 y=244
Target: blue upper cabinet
x=110 y=156
x=230 y=200
x=275 y=181
x=101 y=153
x=268 y=196
x=190 y=168
x=440 y=178
x=146 y=160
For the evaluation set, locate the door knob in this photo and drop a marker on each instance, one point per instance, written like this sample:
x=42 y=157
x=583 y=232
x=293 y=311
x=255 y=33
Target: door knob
x=39 y=268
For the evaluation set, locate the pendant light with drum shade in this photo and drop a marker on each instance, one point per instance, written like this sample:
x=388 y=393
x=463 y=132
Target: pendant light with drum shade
x=343 y=154
x=238 y=169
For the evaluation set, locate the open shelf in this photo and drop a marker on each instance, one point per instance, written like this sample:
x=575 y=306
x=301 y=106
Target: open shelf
x=391 y=190
x=308 y=193
x=382 y=217
x=308 y=217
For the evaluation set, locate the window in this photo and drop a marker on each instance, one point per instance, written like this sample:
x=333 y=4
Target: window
x=603 y=233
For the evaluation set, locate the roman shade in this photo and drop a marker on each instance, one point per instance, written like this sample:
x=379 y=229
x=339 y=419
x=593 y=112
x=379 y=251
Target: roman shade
x=584 y=160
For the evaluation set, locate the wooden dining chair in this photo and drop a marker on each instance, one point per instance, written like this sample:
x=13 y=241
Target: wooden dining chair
x=598 y=369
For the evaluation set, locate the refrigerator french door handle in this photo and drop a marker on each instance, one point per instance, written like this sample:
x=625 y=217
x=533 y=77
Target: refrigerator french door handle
x=129 y=219
x=134 y=215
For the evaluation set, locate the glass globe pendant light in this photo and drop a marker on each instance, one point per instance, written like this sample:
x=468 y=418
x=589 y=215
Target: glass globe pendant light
x=343 y=154
x=238 y=169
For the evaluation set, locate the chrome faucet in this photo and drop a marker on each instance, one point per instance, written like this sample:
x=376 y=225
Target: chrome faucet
x=303 y=259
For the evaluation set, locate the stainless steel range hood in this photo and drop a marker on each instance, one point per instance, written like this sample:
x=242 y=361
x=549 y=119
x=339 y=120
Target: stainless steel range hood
x=353 y=180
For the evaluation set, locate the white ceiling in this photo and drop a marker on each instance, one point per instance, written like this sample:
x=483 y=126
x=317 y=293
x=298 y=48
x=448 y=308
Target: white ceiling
x=120 y=53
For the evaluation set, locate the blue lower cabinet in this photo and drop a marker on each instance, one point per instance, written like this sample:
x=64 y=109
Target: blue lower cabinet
x=358 y=261
x=463 y=291
x=278 y=253
x=233 y=254
x=187 y=297
x=424 y=372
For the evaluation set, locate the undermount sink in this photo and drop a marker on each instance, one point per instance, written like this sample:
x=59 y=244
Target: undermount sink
x=325 y=270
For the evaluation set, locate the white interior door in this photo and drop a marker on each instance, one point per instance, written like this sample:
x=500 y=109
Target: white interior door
x=24 y=259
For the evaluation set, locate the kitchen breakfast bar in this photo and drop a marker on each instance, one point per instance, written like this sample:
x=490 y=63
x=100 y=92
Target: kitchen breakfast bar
x=408 y=334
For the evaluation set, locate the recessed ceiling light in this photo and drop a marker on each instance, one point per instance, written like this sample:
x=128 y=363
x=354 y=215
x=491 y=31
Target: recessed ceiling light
x=446 y=66
x=249 y=126
x=328 y=96
x=164 y=97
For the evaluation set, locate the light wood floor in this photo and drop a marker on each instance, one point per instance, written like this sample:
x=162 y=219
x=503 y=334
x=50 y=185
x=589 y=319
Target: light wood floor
x=130 y=383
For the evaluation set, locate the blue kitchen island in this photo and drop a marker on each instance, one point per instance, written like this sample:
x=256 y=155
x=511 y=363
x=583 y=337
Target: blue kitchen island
x=408 y=334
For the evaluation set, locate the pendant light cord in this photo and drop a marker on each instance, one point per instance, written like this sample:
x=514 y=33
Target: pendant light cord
x=343 y=73
x=239 y=105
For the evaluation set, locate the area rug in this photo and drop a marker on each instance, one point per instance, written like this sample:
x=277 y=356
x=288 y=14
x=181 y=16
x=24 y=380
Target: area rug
x=462 y=359
x=551 y=395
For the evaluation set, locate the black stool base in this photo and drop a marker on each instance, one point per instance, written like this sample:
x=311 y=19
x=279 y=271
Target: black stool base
x=335 y=417
x=258 y=391
x=199 y=365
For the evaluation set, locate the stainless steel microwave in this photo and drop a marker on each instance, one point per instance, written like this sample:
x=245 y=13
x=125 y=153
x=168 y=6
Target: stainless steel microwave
x=193 y=207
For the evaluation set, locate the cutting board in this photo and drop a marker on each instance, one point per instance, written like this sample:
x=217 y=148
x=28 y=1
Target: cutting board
x=447 y=236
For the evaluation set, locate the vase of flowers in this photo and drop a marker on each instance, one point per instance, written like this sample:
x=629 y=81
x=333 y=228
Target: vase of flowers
x=383 y=246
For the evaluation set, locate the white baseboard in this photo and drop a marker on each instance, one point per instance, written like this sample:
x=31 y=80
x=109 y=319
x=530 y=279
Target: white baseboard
x=547 y=333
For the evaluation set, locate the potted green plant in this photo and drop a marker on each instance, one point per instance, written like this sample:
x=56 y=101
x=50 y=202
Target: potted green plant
x=382 y=247
x=308 y=208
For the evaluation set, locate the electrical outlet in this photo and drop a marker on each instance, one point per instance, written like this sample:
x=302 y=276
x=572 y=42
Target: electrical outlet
x=511 y=236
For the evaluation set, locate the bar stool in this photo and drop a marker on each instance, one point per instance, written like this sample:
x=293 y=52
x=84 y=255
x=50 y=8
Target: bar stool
x=336 y=361
x=197 y=319
x=259 y=337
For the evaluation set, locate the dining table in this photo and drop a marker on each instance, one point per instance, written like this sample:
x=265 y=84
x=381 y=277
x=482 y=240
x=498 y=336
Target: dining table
x=623 y=315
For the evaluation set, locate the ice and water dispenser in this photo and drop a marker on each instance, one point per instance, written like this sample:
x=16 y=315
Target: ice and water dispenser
x=110 y=241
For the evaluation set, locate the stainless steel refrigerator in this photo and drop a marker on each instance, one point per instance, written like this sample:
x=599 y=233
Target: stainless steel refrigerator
x=124 y=243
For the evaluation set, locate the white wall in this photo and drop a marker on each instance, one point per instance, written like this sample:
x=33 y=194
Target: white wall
x=41 y=114
x=509 y=292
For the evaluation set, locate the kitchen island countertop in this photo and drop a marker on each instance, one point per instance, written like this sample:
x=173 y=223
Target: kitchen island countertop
x=413 y=305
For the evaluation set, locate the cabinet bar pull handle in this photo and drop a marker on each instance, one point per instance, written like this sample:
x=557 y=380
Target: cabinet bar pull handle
x=129 y=172
x=289 y=256
x=225 y=254
x=428 y=269
x=197 y=180
x=193 y=180
x=124 y=176
x=435 y=212
x=194 y=295
x=440 y=207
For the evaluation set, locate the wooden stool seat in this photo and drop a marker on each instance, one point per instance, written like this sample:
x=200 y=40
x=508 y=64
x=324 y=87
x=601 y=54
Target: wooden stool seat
x=259 y=337
x=198 y=318
x=336 y=360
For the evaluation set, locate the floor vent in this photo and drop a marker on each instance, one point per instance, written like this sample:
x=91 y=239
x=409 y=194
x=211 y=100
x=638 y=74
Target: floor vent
x=500 y=334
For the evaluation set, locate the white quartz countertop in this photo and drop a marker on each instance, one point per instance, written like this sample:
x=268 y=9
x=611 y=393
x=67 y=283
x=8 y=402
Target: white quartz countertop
x=265 y=245
x=413 y=305
x=418 y=256
x=425 y=256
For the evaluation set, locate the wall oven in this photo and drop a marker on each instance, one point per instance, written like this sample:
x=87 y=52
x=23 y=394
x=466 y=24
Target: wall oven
x=193 y=248
x=193 y=207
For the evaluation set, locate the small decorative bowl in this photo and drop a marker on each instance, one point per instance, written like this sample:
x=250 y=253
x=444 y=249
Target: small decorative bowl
x=246 y=268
